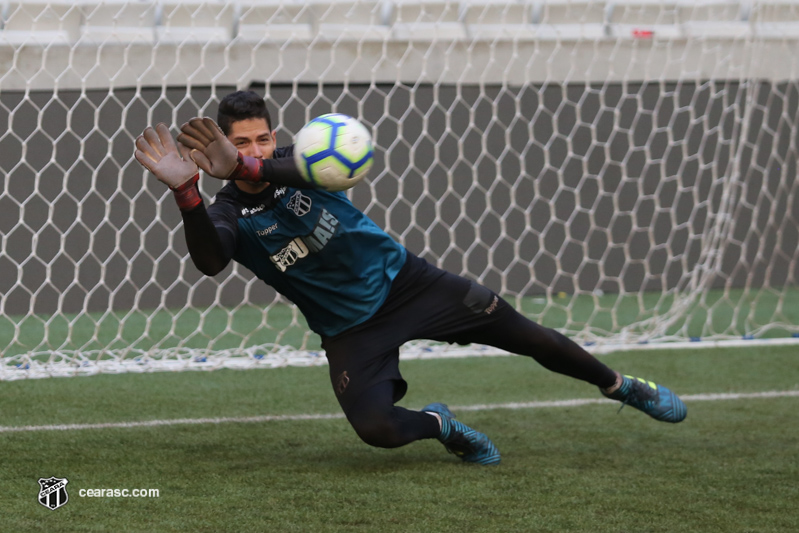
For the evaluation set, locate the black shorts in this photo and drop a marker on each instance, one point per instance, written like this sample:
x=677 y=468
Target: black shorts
x=425 y=302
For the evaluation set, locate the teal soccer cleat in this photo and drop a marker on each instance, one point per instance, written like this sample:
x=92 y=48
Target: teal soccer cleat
x=468 y=444
x=655 y=400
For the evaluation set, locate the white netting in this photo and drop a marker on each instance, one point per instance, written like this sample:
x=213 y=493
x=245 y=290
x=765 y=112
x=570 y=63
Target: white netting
x=622 y=170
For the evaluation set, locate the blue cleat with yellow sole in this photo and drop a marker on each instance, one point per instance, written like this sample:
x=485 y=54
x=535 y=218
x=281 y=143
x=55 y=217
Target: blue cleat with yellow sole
x=655 y=400
x=458 y=438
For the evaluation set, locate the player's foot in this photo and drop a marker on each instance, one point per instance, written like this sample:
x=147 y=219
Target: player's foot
x=458 y=438
x=655 y=400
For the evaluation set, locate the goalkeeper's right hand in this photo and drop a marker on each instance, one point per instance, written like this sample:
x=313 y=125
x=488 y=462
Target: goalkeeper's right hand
x=157 y=152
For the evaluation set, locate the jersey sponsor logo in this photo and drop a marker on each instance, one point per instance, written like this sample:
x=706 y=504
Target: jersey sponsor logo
x=289 y=255
x=247 y=211
x=280 y=192
x=325 y=228
x=266 y=231
x=299 y=203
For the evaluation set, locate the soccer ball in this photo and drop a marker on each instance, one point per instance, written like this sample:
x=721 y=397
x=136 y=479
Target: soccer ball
x=334 y=152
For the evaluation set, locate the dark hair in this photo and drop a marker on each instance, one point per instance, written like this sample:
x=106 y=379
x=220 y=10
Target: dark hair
x=241 y=105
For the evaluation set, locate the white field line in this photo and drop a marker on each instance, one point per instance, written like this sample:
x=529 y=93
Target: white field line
x=333 y=416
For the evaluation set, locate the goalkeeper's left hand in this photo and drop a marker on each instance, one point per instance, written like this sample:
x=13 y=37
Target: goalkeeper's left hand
x=210 y=149
x=157 y=152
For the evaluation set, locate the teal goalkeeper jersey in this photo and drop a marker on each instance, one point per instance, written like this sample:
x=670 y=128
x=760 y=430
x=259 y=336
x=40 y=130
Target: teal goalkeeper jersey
x=312 y=246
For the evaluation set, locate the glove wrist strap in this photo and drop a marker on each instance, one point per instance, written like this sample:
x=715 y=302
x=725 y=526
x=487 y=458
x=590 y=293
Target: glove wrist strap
x=187 y=195
x=247 y=169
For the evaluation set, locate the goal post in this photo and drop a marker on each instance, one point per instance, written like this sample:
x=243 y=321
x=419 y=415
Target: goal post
x=622 y=170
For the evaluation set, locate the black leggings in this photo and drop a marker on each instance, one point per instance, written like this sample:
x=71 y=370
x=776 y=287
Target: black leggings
x=428 y=303
x=554 y=351
x=378 y=422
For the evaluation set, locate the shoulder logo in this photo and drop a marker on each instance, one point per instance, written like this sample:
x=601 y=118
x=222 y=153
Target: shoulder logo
x=247 y=211
x=299 y=203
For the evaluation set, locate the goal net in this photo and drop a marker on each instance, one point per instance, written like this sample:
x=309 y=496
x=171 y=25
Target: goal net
x=621 y=170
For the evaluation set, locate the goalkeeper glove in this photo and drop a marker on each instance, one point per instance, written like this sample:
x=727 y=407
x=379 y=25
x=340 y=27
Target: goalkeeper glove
x=157 y=152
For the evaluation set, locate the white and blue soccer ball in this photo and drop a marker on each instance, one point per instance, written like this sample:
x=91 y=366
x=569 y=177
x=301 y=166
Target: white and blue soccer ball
x=334 y=151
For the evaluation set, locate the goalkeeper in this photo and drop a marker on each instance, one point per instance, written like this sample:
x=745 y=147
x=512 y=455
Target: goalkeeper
x=360 y=290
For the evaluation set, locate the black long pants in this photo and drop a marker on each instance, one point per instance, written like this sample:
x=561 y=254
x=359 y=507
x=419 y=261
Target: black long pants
x=429 y=303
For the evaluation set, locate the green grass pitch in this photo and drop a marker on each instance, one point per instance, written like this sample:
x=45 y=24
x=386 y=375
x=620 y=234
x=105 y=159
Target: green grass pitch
x=732 y=466
x=735 y=310
x=189 y=327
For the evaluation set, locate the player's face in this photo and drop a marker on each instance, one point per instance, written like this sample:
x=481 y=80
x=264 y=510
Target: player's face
x=252 y=138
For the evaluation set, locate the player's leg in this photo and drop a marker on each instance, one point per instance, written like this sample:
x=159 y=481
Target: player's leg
x=513 y=332
x=364 y=371
x=378 y=422
x=455 y=309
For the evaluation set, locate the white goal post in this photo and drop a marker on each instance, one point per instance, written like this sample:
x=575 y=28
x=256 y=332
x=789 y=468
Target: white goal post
x=622 y=170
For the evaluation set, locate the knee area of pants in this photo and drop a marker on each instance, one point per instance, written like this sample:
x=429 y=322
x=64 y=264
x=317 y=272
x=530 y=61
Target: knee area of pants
x=380 y=434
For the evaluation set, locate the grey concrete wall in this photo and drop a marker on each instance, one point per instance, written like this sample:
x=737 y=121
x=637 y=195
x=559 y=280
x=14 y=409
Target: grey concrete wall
x=527 y=188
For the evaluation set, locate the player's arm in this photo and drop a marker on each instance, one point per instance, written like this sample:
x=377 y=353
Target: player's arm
x=216 y=155
x=211 y=246
x=156 y=151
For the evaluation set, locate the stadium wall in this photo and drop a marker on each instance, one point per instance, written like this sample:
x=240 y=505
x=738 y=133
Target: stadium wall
x=640 y=157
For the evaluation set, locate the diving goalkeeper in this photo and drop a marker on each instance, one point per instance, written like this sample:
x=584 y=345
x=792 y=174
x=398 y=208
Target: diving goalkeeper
x=360 y=290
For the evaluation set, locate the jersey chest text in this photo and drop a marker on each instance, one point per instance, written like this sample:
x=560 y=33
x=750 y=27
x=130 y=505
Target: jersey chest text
x=291 y=231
